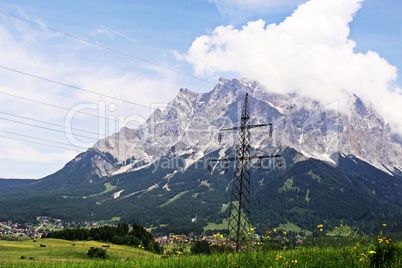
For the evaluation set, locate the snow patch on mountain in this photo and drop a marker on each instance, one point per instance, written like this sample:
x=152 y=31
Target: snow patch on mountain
x=189 y=125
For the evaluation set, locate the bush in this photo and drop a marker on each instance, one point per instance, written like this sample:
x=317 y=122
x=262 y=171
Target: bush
x=201 y=247
x=97 y=253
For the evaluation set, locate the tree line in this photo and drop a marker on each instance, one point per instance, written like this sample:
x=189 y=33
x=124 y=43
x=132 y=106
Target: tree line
x=121 y=234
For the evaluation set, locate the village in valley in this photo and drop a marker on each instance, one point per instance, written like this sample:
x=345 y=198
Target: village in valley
x=43 y=224
x=20 y=231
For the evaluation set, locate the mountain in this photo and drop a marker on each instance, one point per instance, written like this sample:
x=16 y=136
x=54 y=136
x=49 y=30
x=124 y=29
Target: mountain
x=7 y=184
x=336 y=165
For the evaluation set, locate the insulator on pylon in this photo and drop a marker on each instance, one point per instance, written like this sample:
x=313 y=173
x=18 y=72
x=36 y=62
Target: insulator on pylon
x=270 y=130
x=279 y=163
x=225 y=165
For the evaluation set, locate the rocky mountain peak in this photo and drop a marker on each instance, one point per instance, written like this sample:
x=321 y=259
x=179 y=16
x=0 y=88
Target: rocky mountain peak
x=189 y=124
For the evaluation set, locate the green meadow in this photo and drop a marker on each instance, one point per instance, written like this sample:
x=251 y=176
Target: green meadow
x=62 y=253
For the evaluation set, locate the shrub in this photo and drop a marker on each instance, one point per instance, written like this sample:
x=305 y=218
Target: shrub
x=201 y=247
x=95 y=252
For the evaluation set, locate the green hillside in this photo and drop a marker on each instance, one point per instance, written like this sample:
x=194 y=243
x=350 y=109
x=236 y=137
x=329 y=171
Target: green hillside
x=62 y=251
x=304 y=193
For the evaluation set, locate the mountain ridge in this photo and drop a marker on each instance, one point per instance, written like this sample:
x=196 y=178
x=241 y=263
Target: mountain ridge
x=158 y=175
x=218 y=105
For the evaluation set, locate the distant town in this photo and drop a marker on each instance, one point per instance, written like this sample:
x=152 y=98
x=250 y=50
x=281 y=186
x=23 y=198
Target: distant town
x=43 y=224
x=15 y=231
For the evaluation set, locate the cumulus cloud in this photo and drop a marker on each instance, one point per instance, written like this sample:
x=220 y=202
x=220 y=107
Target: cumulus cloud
x=310 y=53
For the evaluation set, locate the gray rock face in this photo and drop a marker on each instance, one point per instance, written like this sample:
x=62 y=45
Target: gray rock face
x=189 y=125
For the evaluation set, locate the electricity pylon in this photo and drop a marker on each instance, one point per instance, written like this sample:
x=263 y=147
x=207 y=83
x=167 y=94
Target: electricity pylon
x=239 y=227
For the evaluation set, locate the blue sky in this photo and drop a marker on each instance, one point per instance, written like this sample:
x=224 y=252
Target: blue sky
x=148 y=50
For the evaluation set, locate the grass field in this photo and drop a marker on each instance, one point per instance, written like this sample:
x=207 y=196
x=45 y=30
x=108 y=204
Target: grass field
x=61 y=253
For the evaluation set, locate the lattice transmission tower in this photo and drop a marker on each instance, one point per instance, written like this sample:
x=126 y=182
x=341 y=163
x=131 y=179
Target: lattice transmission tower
x=239 y=225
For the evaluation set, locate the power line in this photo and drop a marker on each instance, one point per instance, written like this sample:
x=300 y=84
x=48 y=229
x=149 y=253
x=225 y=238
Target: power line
x=62 y=108
x=42 y=127
x=70 y=86
x=105 y=47
x=39 y=143
x=36 y=138
x=44 y=122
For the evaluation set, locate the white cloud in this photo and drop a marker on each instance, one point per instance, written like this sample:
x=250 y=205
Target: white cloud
x=310 y=53
x=38 y=51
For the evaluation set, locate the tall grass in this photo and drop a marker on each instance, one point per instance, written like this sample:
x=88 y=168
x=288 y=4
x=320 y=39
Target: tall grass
x=322 y=251
x=358 y=255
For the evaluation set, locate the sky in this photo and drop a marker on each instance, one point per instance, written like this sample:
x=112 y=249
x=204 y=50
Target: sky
x=73 y=72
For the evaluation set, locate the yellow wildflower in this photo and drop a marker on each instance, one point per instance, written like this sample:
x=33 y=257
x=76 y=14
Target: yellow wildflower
x=372 y=252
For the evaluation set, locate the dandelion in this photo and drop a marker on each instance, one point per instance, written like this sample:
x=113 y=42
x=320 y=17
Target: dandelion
x=380 y=240
x=384 y=225
x=295 y=261
x=372 y=252
x=218 y=236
